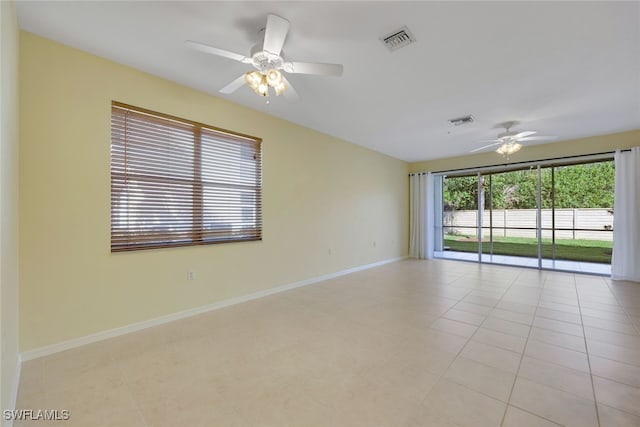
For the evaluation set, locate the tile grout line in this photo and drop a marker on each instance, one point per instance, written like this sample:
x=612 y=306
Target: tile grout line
x=513 y=386
x=537 y=415
x=633 y=323
x=135 y=401
x=624 y=309
x=521 y=357
x=586 y=346
x=444 y=371
x=583 y=335
x=127 y=385
x=577 y=370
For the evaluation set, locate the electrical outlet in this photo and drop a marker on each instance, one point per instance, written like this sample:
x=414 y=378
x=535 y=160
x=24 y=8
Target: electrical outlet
x=374 y=243
x=329 y=251
x=191 y=275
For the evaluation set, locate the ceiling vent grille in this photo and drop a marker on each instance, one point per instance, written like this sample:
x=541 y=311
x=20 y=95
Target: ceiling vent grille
x=461 y=120
x=398 y=39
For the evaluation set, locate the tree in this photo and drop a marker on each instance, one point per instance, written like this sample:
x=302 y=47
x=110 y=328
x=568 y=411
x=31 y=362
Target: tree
x=588 y=185
x=585 y=186
x=461 y=192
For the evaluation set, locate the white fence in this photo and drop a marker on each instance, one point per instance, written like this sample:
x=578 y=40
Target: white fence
x=596 y=222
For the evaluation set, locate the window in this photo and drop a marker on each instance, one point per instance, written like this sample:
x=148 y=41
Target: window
x=175 y=182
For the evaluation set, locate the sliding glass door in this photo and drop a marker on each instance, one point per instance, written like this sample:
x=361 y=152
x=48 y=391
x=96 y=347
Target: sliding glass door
x=511 y=217
x=577 y=222
x=460 y=215
x=557 y=216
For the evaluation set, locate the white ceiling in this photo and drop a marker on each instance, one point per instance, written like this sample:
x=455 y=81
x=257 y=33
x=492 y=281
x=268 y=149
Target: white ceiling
x=570 y=69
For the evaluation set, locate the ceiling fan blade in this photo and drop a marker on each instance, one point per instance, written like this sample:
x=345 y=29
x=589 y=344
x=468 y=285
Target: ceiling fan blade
x=275 y=33
x=523 y=134
x=313 y=68
x=290 y=93
x=234 y=85
x=486 y=146
x=217 y=51
x=536 y=138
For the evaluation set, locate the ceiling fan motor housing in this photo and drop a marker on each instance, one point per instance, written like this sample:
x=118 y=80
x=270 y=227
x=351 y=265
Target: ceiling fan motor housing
x=264 y=61
x=507 y=135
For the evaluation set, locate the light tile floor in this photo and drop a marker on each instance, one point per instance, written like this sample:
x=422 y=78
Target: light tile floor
x=413 y=343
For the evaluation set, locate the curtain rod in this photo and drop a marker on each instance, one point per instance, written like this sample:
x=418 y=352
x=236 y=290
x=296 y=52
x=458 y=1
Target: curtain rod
x=523 y=162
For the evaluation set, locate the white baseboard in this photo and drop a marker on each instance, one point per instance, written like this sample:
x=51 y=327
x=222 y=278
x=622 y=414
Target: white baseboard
x=88 y=339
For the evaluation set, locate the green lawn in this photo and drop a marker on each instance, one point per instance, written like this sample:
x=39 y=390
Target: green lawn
x=575 y=250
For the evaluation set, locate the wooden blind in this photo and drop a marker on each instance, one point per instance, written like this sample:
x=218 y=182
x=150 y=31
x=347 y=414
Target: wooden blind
x=176 y=182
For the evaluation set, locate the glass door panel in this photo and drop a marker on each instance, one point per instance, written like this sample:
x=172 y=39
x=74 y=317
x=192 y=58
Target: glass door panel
x=460 y=215
x=510 y=217
x=580 y=230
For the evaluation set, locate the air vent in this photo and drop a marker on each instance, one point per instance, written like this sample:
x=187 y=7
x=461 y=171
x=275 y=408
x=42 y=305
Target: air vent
x=461 y=120
x=398 y=39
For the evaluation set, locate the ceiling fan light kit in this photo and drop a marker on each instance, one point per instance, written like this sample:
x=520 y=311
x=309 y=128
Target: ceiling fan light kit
x=260 y=83
x=267 y=58
x=508 y=148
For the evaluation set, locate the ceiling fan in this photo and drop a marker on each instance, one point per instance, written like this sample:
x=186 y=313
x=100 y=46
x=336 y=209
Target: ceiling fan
x=510 y=141
x=268 y=60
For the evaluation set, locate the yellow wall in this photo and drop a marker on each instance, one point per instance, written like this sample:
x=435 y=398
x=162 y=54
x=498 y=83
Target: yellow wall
x=591 y=145
x=320 y=193
x=9 y=36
